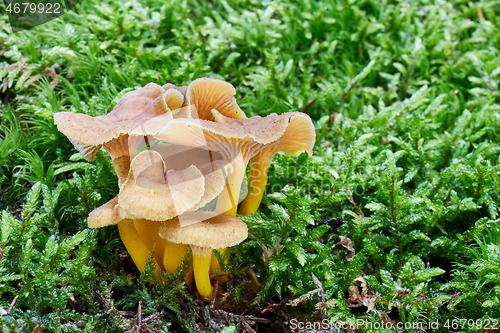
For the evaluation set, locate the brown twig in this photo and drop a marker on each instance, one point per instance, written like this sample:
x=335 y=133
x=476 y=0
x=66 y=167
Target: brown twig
x=349 y=196
x=126 y=313
x=155 y=315
x=11 y=306
x=214 y=294
x=308 y=105
x=360 y=48
x=139 y=314
x=273 y=307
x=321 y=294
x=251 y=319
x=480 y=13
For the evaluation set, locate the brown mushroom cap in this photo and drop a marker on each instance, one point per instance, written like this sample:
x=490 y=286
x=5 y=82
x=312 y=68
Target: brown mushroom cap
x=216 y=232
x=205 y=94
x=193 y=172
x=211 y=165
x=182 y=89
x=108 y=214
x=136 y=107
x=230 y=137
x=154 y=194
x=298 y=137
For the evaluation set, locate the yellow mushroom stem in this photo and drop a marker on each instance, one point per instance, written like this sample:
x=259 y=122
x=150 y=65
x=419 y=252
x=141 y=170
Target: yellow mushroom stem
x=254 y=281
x=257 y=181
x=219 y=232
x=228 y=203
x=173 y=255
x=214 y=263
x=134 y=245
x=228 y=200
x=202 y=257
x=148 y=231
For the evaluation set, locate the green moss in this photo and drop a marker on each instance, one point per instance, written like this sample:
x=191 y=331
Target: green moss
x=399 y=202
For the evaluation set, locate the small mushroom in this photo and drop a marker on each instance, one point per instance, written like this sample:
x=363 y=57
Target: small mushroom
x=220 y=231
x=88 y=134
x=205 y=94
x=151 y=194
x=237 y=141
x=299 y=136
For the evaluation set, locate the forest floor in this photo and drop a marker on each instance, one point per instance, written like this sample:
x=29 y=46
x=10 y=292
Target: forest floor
x=392 y=224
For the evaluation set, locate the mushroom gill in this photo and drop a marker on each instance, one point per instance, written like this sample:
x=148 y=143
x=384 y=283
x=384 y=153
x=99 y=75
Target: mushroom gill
x=203 y=95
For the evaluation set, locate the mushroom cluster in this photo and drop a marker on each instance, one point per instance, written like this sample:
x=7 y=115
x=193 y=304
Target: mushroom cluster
x=180 y=155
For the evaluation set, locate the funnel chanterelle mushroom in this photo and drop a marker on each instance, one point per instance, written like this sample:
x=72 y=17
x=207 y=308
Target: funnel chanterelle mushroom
x=220 y=231
x=298 y=137
x=204 y=114
x=138 y=113
x=201 y=96
x=88 y=134
x=239 y=140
